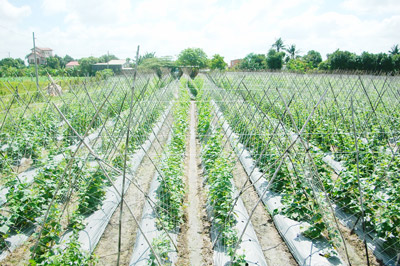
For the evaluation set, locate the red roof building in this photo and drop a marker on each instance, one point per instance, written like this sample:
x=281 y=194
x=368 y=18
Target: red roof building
x=72 y=64
x=235 y=62
x=42 y=53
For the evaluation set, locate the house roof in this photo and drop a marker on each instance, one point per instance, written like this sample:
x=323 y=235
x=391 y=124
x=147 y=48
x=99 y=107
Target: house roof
x=37 y=53
x=113 y=63
x=72 y=63
x=117 y=62
x=42 y=48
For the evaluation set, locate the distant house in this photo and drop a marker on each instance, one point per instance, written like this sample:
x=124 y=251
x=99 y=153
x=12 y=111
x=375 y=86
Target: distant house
x=235 y=62
x=72 y=64
x=120 y=62
x=42 y=54
x=116 y=65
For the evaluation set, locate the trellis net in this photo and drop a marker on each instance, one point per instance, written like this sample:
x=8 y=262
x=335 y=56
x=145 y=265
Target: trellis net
x=78 y=154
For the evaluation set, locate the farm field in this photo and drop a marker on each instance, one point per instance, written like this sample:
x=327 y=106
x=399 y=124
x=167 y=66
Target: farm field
x=235 y=168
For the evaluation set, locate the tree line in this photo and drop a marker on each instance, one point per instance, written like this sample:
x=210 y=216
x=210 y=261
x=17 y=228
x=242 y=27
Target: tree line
x=195 y=58
x=55 y=66
x=279 y=56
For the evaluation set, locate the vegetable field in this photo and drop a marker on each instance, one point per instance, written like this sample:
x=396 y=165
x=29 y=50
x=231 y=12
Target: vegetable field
x=228 y=168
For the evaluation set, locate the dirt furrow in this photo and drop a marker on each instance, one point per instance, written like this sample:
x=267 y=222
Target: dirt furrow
x=194 y=244
x=273 y=246
x=107 y=248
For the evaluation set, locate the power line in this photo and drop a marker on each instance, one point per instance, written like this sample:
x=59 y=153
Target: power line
x=13 y=31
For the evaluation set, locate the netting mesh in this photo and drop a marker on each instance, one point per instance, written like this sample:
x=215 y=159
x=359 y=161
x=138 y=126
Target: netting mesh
x=63 y=154
x=320 y=151
x=337 y=136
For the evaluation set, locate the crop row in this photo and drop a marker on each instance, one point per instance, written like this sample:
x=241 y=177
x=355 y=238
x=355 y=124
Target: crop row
x=256 y=118
x=171 y=190
x=218 y=169
x=36 y=132
x=74 y=183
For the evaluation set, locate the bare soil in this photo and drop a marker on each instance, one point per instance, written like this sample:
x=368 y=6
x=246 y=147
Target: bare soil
x=194 y=244
x=21 y=255
x=107 y=248
x=274 y=248
x=24 y=165
x=356 y=250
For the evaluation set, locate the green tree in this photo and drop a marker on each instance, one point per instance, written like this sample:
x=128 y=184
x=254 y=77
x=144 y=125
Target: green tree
x=85 y=65
x=394 y=50
x=368 y=61
x=10 y=71
x=384 y=62
x=217 y=62
x=106 y=58
x=313 y=57
x=193 y=57
x=67 y=59
x=147 y=55
x=156 y=64
x=343 y=60
x=53 y=62
x=292 y=51
x=396 y=62
x=275 y=59
x=299 y=65
x=11 y=62
x=253 y=62
x=20 y=63
x=278 y=45
x=73 y=71
x=61 y=60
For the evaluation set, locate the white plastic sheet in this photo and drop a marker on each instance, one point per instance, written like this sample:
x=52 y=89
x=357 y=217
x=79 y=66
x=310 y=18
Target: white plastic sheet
x=305 y=251
x=141 y=249
x=97 y=222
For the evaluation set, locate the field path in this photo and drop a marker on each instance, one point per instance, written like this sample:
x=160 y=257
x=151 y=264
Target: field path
x=194 y=244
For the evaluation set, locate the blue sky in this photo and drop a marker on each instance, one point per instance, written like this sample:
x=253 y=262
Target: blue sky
x=233 y=29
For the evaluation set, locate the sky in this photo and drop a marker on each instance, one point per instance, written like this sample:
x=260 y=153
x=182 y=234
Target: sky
x=233 y=29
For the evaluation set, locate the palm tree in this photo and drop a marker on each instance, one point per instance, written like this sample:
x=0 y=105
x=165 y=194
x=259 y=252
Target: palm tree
x=292 y=51
x=395 y=50
x=278 y=45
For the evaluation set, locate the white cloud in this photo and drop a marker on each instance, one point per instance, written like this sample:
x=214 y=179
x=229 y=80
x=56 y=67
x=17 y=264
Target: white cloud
x=329 y=31
x=10 y=14
x=230 y=28
x=12 y=38
x=52 y=7
x=97 y=12
x=372 y=7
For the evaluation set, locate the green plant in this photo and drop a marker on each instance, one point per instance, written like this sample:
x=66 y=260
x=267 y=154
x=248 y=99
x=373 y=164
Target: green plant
x=171 y=190
x=218 y=169
x=51 y=232
x=71 y=255
x=92 y=193
x=4 y=229
x=192 y=88
x=161 y=246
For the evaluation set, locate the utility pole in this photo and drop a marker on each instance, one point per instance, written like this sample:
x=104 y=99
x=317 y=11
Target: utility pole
x=36 y=67
x=108 y=59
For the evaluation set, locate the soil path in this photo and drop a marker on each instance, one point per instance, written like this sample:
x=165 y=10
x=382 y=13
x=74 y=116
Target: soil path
x=194 y=244
x=107 y=248
x=356 y=249
x=273 y=246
